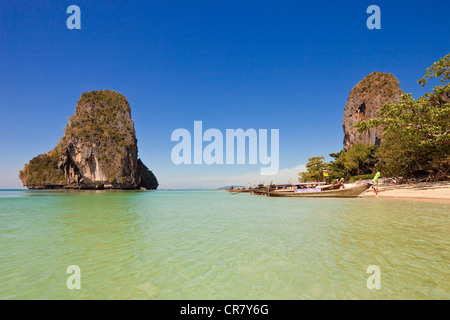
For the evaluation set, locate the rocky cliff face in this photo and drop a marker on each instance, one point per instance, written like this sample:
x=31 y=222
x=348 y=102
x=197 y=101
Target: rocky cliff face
x=365 y=102
x=99 y=148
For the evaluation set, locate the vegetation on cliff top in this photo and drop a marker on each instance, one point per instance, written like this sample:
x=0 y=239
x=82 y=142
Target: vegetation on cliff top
x=377 y=81
x=100 y=117
x=102 y=120
x=43 y=170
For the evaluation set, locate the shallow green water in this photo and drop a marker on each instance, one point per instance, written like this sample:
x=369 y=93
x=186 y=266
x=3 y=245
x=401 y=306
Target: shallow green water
x=214 y=245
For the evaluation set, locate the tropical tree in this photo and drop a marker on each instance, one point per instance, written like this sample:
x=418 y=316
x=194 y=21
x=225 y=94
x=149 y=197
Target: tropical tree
x=336 y=168
x=357 y=160
x=314 y=170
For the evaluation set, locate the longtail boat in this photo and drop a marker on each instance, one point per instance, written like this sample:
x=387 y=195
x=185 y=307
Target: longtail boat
x=291 y=187
x=258 y=191
x=239 y=190
x=349 y=192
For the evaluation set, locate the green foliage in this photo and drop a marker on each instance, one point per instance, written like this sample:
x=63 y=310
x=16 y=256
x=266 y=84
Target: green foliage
x=401 y=155
x=98 y=118
x=417 y=132
x=108 y=98
x=336 y=168
x=440 y=70
x=376 y=82
x=358 y=159
x=314 y=169
x=43 y=170
x=361 y=177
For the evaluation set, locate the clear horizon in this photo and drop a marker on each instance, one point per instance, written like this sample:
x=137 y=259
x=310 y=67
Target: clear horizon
x=287 y=66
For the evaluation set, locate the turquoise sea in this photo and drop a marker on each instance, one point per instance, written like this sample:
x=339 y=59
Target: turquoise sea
x=214 y=245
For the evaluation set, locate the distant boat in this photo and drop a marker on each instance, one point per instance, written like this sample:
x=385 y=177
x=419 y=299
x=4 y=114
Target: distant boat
x=230 y=187
x=239 y=190
x=349 y=192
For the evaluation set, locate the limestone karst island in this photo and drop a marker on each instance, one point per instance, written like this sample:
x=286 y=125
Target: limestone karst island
x=98 y=150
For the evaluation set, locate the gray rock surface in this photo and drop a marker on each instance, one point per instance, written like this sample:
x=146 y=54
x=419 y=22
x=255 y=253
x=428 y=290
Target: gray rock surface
x=365 y=102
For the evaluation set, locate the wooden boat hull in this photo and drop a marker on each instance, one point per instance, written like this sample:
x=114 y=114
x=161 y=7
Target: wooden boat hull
x=258 y=192
x=240 y=191
x=350 y=192
x=331 y=187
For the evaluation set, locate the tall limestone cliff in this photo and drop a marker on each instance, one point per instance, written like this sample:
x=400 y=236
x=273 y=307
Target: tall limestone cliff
x=98 y=150
x=365 y=102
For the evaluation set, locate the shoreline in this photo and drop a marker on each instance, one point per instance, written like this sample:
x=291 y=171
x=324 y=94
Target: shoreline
x=420 y=191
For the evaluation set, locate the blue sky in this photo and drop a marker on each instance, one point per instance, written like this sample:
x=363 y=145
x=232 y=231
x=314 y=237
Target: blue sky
x=286 y=65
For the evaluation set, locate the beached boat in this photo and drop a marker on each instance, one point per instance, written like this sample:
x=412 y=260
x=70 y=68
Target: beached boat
x=349 y=192
x=333 y=186
x=258 y=191
x=292 y=187
x=263 y=190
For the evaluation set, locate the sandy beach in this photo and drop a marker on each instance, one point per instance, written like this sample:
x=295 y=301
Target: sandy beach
x=423 y=190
